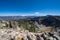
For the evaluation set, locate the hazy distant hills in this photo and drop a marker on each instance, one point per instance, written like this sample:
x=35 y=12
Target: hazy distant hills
x=45 y=20
x=14 y=17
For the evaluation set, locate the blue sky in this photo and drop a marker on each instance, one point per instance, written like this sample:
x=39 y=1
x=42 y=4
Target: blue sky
x=29 y=7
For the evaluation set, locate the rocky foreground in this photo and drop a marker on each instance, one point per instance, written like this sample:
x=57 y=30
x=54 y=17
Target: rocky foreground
x=10 y=34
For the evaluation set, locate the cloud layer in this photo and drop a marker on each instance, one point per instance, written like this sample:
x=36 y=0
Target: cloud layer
x=28 y=14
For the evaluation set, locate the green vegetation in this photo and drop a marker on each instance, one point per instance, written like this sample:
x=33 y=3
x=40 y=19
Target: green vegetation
x=27 y=25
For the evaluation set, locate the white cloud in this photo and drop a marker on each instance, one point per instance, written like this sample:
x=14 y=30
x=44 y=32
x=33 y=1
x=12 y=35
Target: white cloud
x=36 y=13
x=31 y=14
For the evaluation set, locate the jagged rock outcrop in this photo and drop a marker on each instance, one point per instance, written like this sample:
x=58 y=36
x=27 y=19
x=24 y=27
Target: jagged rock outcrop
x=10 y=34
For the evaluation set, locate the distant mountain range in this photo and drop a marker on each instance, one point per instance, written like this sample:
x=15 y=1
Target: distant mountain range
x=15 y=17
x=45 y=20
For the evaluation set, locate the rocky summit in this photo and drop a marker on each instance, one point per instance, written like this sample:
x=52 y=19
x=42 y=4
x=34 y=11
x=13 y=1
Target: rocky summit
x=10 y=34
